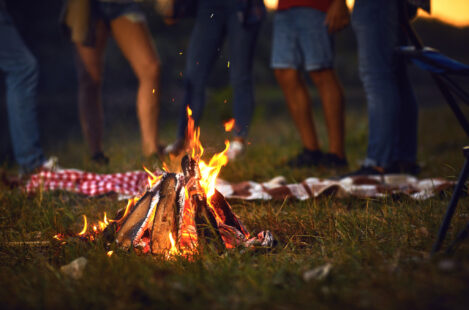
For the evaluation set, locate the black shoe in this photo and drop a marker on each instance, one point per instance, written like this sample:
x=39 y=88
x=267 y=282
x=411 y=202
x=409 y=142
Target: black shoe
x=403 y=167
x=306 y=158
x=364 y=171
x=331 y=160
x=100 y=159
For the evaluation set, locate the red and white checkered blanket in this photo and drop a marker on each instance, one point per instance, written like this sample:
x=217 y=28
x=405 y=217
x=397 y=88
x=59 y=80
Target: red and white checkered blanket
x=129 y=184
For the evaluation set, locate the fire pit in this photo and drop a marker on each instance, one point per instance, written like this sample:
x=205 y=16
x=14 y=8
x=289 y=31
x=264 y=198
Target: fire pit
x=180 y=213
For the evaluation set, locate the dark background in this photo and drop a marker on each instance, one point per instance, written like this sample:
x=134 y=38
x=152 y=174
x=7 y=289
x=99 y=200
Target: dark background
x=37 y=22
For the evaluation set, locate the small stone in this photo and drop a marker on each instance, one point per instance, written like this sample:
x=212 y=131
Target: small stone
x=75 y=269
x=318 y=273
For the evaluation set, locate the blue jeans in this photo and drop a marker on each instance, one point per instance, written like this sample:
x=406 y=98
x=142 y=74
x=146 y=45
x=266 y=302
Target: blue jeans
x=392 y=108
x=216 y=20
x=21 y=75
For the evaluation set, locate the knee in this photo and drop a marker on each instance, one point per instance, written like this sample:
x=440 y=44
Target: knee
x=27 y=70
x=287 y=78
x=195 y=81
x=149 y=72
x=325 y=79
x=241 y=79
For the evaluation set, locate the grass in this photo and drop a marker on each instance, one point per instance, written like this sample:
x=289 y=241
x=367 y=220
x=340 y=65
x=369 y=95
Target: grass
x=378 y=248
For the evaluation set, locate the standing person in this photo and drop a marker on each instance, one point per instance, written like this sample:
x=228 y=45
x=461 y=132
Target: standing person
x=238 y=21
x=302 y=39
x=392 y=108
x=90 y=23
x=21 y=76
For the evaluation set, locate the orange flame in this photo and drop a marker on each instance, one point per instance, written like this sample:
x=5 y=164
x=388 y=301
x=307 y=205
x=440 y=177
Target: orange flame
x=152 y=178
x=96 y=228
x=209 y=172
x=173 y=251
x=229 y=125
x=109 y=253
x=85 y=226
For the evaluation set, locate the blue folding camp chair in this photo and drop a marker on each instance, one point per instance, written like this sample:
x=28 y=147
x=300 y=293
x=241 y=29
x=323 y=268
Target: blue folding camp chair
x=443 y=70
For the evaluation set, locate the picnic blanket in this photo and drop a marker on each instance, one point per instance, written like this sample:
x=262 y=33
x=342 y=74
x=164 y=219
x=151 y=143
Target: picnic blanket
x=130 y=184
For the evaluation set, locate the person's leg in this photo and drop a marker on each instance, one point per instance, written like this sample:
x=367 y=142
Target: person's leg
x=376 y=27
x=332 y=99
x=21 y=74
x=286 y=59
x=299 y=104
x=206 y=39
x=405 y=151
x=316 y=45
x=134 y=39
x=242 y=42
x=90 y=62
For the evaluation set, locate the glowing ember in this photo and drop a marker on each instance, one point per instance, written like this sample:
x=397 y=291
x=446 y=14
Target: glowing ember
x=229 y=125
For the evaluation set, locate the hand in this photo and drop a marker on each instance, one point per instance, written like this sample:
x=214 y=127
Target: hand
x=337 y=17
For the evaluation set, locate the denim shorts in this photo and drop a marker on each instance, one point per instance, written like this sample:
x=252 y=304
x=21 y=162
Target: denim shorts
x=301 y=40
x=108 y=10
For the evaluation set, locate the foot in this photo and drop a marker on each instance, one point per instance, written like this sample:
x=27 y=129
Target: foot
x=331 y=160
x=23 y=177
x=235 y=150
x=175 y=148
x=51 y=164
x=306 y=158
x=100 y=159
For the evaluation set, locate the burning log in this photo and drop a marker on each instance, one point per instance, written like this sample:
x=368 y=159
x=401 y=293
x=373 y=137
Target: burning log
x=206 y=223
x=166 y=216
x=223 y=209
x=132 y=228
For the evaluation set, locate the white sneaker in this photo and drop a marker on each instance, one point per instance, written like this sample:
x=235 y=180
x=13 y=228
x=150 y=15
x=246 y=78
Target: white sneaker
x=51 y=164
x=175 y=148
x=236 y=149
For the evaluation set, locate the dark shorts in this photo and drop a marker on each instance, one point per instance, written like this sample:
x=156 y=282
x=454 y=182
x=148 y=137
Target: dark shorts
x=301 y=40
x=109 y=10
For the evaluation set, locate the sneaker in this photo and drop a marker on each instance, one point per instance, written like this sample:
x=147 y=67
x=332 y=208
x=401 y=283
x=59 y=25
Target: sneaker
x=175 y=148
x=51 y=164
x=13 y=181
x=403 y=167
x=100 y=159
x=236 y=148
x=306 y=158
x=331 y=160
x=364 y=171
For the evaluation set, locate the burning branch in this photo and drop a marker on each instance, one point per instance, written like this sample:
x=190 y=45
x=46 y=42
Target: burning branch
x=206 y=224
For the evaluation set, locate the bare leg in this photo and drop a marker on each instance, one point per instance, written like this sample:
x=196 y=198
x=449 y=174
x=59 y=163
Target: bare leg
x=332 y=100
x=135 y=41
x=299 y=104
x=89 y=67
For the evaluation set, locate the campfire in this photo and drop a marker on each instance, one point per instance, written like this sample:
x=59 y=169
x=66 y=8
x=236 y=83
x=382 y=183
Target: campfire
x=180 y=213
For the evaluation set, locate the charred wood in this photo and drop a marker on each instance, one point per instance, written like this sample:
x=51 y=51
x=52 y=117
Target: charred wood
x=223 y=209
x=206 y=223
x=134 y=221
x=166 y=216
